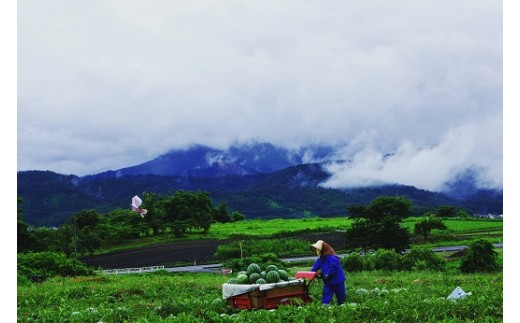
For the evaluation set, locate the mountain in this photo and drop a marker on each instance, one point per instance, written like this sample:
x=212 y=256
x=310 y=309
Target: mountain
x=258 y=180
x=203 y=161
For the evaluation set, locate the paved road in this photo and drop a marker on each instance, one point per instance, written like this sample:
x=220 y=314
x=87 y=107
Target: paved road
x=458 y=248
x=215 y=268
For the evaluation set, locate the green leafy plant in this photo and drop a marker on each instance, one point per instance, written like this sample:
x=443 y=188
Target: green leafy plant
x=39 y=266
x=385 y=259
x=352 y=262
x=262 y=260
x=423 y=258
x=480 y=257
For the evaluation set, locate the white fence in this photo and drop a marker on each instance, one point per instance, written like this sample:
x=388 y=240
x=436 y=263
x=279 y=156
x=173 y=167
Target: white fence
x=132 y=270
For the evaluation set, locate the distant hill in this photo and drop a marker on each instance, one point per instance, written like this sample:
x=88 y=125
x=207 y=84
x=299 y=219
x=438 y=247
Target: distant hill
x=244 y=159
x=257 y=179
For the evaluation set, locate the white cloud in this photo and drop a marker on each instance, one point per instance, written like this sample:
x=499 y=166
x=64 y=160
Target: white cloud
x=469 y=146
x=109 y=84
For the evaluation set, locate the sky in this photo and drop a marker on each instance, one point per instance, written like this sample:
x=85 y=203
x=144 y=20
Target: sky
x=409 y=91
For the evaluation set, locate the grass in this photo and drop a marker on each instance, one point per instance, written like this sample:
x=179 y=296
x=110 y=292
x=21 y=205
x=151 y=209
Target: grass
x=375 y=296
x=460 y=231
x=197 y=297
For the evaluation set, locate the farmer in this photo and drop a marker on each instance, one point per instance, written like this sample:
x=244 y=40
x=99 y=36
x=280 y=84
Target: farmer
x=331 y=273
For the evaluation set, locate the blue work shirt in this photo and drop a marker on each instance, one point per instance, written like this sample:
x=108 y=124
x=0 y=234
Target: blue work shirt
x=330 y=266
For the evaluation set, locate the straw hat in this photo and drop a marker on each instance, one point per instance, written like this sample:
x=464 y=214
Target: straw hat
x=318 y=245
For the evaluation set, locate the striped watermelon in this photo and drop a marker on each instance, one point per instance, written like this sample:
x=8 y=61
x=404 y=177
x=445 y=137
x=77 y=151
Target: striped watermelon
x=283 y=274
x=253 y=268
x=233 y=281
x=242 y=279
x=273 y=276
x=254 y=277
x=261 y=281
x=271 y=268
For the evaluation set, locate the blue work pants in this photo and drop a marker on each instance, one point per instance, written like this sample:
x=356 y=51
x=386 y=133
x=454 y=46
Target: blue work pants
x=330 y=290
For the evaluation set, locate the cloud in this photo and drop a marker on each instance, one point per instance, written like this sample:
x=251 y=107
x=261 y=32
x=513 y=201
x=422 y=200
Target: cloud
x=108 y=84
x=426 y=167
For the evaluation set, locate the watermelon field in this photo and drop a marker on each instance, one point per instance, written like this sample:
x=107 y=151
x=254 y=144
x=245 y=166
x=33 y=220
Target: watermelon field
x=375 y=296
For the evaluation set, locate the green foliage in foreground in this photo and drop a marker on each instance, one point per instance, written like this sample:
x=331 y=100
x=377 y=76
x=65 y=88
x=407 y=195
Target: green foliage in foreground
x=162 y=297
x=38 y=266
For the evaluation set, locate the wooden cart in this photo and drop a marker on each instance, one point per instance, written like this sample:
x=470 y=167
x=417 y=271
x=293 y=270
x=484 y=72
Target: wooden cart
x=270 y=297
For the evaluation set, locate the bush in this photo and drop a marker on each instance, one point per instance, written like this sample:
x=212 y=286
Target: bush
x=421 y=258
x=22 y=280
x=368 y=262
x=442 y=236
x=281 y=247
x=262 y=260
x=481 y=257
x=352 y=262
x=386 y=259
x=38 y=266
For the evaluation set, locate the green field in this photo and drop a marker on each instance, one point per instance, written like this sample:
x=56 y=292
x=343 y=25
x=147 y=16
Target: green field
x=165 y=297
x=268 y=228
x=460 y=231
x=373 y=296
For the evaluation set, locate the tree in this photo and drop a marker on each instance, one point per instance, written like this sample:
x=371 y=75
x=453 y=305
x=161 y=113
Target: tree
x=202 y=209
x=85 y=219
x=125 y=224
x=88 y=234
x=237 y=216
x=394 y=208
x=24 y=238
x=356 y=211
x=362 y=234
x=379 y=224
x=186 y=210
x=425 y=226
x=156 y=216
x=480 y=257
x=446 y=211
x=46 y=239
x=221 y=214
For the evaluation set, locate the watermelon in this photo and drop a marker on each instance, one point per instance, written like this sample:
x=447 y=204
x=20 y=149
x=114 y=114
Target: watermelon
x=242 y=272
x=261 y=281
x=253 y=268
x=233 y=281
x=283 y=274
x=273 y=276
x=254 y=277
x=242 y=279
x=271 y=268
x=263 y=274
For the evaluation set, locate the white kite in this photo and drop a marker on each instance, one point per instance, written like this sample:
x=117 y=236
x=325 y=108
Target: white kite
x=136 y=202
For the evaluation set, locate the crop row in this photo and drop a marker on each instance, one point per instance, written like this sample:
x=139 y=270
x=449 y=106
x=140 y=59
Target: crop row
x=159 y=297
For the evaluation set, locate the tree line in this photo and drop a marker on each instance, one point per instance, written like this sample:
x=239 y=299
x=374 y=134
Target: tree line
x=376 y=225
x=87 y=230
